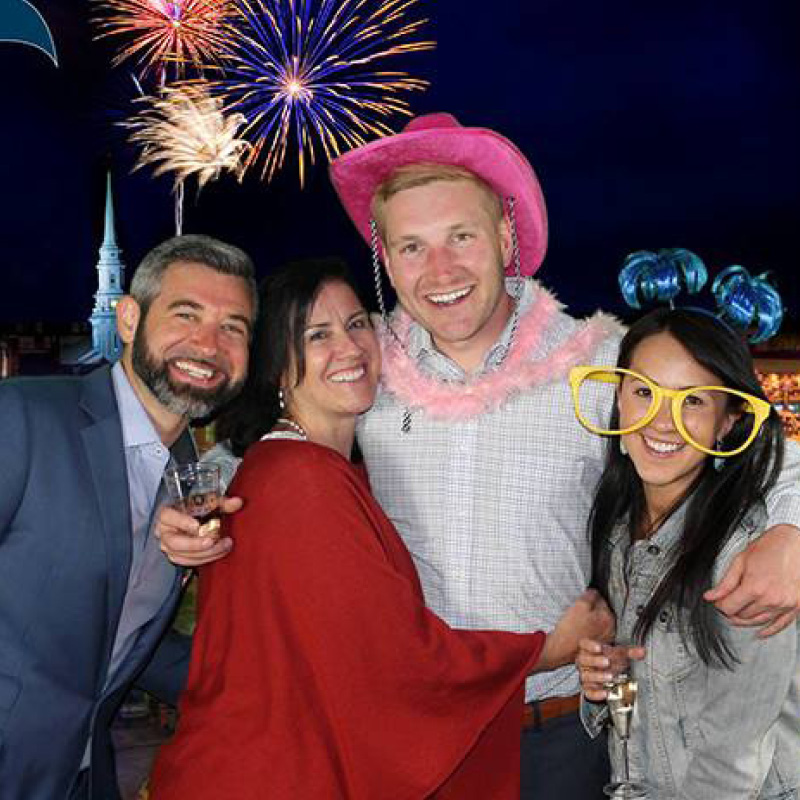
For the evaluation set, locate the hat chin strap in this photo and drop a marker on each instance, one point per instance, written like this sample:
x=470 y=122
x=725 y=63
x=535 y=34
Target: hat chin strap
x=515 y=257
x=376 y=271
x=512 y=218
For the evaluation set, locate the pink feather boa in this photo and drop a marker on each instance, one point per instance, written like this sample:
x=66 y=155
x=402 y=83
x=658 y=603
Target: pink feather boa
x=445 y=400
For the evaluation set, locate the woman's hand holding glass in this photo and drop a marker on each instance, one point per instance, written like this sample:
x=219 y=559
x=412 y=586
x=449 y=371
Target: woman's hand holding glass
x=599 y=664
x=606 y=675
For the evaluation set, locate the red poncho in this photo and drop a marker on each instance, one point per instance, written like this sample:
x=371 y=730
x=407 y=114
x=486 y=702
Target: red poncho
x=317 y=672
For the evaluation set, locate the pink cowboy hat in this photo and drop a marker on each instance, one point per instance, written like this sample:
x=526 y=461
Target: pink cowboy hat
x=441 y=139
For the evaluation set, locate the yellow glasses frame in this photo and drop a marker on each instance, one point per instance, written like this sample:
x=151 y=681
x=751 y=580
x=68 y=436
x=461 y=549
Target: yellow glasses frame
x=759 y=408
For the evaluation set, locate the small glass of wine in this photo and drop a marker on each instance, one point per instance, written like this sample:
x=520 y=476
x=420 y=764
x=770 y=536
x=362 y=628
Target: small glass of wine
x=195 y=489
x=621 y=700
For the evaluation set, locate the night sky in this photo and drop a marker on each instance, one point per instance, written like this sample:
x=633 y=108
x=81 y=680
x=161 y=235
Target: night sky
x=650 y=125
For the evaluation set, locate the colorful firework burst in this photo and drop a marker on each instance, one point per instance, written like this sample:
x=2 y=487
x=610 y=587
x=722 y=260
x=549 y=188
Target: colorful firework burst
x=186 y=132
x=167 y=32
x=311 y=72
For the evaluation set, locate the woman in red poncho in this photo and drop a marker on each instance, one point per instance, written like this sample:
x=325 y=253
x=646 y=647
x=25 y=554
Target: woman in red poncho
x=317 y=672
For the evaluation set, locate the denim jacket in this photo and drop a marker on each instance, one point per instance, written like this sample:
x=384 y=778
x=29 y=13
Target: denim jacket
x=703 y=732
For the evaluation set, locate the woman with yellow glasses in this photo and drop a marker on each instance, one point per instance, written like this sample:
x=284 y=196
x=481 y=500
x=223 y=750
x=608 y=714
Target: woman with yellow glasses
x=694 y=448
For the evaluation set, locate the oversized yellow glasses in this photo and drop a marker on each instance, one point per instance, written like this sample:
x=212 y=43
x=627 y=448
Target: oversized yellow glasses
x=693 y=409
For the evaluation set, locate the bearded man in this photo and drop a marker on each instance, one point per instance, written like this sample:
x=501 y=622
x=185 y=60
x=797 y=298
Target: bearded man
x=85 y=594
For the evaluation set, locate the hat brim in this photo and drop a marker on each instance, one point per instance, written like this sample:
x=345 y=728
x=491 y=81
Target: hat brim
x=357 y=174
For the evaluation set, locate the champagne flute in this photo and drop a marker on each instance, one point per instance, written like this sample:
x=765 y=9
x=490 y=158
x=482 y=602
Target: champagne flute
x=621 y=701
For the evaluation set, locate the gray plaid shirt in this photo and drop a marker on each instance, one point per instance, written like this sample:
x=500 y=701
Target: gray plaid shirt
x=494 y=509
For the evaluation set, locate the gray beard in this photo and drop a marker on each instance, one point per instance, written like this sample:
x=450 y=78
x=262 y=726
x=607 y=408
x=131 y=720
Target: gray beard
x=182 y=400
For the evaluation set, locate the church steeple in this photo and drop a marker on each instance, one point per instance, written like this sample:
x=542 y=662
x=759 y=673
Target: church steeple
x=111 y=270
x=109 y=230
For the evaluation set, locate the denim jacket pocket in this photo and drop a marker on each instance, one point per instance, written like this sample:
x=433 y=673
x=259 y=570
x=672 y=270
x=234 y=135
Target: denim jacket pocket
x=671 y=658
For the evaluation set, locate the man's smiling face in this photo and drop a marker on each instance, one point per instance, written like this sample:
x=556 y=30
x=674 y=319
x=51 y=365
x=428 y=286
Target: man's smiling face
x=190 y=346
x=445 y=253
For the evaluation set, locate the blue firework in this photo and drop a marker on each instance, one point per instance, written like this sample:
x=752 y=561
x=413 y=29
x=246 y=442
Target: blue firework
x=311 y=75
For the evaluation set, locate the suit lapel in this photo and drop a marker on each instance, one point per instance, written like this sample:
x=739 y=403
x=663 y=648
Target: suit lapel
x=102 y=440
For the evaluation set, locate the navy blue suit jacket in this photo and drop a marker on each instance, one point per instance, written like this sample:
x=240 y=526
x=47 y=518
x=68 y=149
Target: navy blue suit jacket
x=65 y=554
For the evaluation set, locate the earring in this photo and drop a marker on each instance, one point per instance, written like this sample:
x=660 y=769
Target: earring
x=719 y=463
x=281 y=401
x=622 y=448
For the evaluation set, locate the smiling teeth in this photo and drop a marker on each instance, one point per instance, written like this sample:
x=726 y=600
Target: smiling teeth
x=450 y=297
x=663 y=447
x=348 y=377
x=194 y=370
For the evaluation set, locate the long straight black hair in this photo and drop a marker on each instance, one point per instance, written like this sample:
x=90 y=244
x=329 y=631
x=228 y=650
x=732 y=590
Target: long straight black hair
x=717 y=500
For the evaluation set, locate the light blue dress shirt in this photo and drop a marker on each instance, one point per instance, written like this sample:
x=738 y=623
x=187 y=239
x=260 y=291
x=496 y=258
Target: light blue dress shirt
x=151 y=575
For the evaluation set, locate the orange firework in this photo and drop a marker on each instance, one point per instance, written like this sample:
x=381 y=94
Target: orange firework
x=160 y=33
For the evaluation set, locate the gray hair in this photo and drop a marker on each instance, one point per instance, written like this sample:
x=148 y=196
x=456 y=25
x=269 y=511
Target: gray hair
x=194 y=248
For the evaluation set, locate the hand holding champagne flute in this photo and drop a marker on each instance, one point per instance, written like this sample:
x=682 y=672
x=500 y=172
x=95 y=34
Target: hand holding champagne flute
x=606 y=674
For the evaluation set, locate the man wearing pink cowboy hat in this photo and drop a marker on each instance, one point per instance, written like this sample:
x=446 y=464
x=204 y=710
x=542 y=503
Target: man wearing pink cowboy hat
x=472 y=446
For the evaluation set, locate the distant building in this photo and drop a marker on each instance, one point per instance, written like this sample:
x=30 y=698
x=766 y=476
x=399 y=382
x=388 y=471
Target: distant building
x=42 y=348
x=9 y=360
x=38 y=348
x=106 y=344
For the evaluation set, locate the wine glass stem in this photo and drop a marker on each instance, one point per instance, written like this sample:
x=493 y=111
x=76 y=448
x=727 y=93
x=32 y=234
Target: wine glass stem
x=625 y=758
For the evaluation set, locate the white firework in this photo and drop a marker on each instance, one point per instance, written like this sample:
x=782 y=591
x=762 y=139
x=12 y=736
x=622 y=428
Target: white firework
x=186 y=131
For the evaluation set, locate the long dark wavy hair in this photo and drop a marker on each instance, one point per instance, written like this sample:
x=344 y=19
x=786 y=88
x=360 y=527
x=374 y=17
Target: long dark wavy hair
x=718 y=500
x=286 y=298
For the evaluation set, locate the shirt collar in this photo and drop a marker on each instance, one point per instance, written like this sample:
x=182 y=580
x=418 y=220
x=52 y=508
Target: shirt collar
x=137 y=427
x=666 y=536
x=420 y=344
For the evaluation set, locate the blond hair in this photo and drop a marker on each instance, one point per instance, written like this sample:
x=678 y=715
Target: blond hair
x=414 y=175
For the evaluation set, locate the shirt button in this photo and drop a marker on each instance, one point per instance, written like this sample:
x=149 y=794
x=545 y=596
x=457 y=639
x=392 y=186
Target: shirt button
x=639 y=610
x=654 y=550
x=663 y=617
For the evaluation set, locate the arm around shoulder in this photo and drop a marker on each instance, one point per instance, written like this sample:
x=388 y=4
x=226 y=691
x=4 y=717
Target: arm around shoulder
x=762 y=585
x=783 y=500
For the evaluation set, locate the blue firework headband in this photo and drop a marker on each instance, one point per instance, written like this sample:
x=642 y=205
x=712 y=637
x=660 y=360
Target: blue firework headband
x=749 y=304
